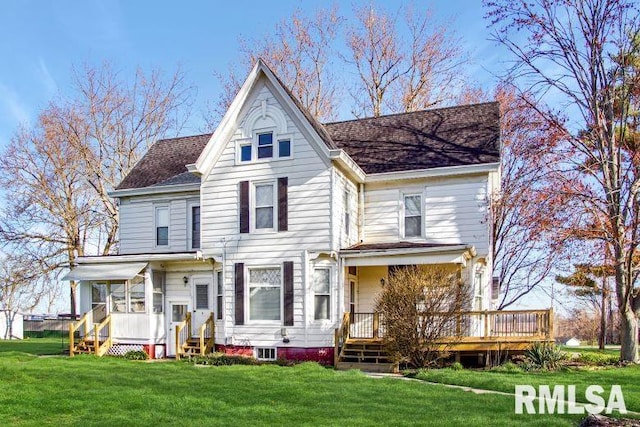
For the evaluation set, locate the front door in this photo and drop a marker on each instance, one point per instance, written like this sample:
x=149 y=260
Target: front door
x=202 y=288
x=176 y=312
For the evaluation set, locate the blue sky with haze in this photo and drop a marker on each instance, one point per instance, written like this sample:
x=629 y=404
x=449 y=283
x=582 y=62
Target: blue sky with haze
x=42 y=40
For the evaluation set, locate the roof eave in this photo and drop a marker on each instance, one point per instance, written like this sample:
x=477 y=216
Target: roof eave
x=433 y=172
x=155 y=189
x=348 y=164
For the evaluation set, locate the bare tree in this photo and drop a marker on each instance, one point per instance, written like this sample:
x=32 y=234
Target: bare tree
x=419 y=306
x=395 y=74
x=578 y=49
x=300 y=53
x=22 y=287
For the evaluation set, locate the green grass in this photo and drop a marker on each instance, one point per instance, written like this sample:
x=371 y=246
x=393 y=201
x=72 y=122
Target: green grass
x=609 y=349
x=37 y=346
x=628 y=378
x=86 y=390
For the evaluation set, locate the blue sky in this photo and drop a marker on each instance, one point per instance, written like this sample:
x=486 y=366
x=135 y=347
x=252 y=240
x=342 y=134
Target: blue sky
x=42 y=40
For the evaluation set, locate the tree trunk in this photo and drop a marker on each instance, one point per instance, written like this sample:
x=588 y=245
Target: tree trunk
x=602 y=336
x=72 y=297
x=628 y=336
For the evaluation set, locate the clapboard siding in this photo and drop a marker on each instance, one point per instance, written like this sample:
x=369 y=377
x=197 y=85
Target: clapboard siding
x=342 y=184
x=455 y=210
x=137 y=222
x=309 y=199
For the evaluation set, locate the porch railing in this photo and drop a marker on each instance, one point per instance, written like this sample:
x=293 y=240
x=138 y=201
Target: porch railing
x=183 y=333
x=341 y=337
x=103 y=334
x=207 y=333
x=512 y=324
x=77 y=333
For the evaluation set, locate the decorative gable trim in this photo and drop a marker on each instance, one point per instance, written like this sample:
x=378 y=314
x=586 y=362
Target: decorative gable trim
x=228 y=124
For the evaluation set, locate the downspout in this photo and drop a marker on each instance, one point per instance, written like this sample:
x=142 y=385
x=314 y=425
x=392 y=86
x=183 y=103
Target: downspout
x=361 y=235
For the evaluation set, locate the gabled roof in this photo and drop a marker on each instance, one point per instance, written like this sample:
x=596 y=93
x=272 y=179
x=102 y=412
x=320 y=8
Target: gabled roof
x=164 y=163
x=453 y=136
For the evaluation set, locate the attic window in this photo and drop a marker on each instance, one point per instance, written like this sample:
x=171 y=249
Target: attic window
x=265 y=145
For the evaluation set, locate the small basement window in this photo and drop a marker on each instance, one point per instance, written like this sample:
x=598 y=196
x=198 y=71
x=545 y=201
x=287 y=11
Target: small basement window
x=266 y=353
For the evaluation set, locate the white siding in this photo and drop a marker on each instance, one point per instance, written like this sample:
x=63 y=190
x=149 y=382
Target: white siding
x=342 y=184
x=455 y=211
x=137 y=223
x=309 y=226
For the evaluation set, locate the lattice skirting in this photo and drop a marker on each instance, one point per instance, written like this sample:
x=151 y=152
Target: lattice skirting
x=122 y=349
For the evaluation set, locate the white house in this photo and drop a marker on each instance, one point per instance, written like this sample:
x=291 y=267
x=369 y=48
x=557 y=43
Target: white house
x=279 y=225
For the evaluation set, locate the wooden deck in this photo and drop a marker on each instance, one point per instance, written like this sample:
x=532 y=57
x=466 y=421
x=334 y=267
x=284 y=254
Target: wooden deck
x=466 y=332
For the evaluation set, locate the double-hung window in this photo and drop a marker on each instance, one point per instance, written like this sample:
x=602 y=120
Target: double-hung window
x=347 y=211
x=219 y=287
x=264 y=206
x=265 y=145
x=162 y=226
x=265 y=286
x=413 y=215
x=322 y=293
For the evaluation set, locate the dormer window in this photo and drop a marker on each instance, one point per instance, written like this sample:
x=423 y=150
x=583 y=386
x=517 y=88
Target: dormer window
x=265 y=145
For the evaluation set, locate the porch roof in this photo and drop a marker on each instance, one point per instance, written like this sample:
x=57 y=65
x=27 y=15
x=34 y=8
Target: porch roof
x=402 y=253
x=113 y=271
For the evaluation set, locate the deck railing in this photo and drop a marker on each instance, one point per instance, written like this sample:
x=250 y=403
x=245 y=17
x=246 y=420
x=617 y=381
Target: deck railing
x=77 y=330
x=183 y=333
x=513 y=324
x=207 y=333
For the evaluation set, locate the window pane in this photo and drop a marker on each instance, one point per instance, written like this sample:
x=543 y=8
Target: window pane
x=264 y=276
x=118 y=302
x=98 y=293
x=219 y=280
x=321 y=280
x=264 y=303
x=412 y=226
x=264 y=218
x=136 y=296
x=219 y=307
x=162 y=217
x=412 y=205
x=321 y=307
x=245 y=153
x=195 y=227
x=157 y=302
x=162 y=236
x=202 y=297
x=264 y=195
x=265 y=139
x=265 y=152
x=178 y=312
x=284 y=148
x=265 y=145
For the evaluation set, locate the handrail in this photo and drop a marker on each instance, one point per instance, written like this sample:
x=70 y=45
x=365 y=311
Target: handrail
x=183 y=332
x=81 y=327
x=341 y=336
x=103 y=341
x=207 y=334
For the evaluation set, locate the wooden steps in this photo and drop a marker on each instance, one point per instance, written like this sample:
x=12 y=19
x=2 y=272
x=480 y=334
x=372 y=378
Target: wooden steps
x=364 y=355
x=192 y=347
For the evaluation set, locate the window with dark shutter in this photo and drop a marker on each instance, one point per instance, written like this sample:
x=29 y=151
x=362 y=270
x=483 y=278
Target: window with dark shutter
x=283 y=208
x=239 y=293
x=288 y=292
x=244 y=206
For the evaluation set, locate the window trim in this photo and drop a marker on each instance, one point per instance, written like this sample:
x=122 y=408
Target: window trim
x=253 y=216
x=190 y=206
x=247 y=295
x=256 y=350
x=252 y=141
x=403 y=216
x=156 y=225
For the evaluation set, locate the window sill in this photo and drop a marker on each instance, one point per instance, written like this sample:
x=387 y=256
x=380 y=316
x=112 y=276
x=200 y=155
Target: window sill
x=266 y=160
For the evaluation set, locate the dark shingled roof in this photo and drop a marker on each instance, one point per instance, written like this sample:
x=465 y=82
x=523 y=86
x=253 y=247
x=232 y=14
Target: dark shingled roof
x=395 y=245
x=454 y=136
x=164 y=163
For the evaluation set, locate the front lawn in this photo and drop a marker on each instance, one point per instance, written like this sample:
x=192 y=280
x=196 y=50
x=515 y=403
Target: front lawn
x=86 y=390
x=628 y=378
x=38 y=346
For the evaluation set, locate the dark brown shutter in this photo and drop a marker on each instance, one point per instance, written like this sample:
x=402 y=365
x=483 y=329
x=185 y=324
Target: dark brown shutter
x=244 y=206
x=283 y=209
x=239 y=293
x=288 y=293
